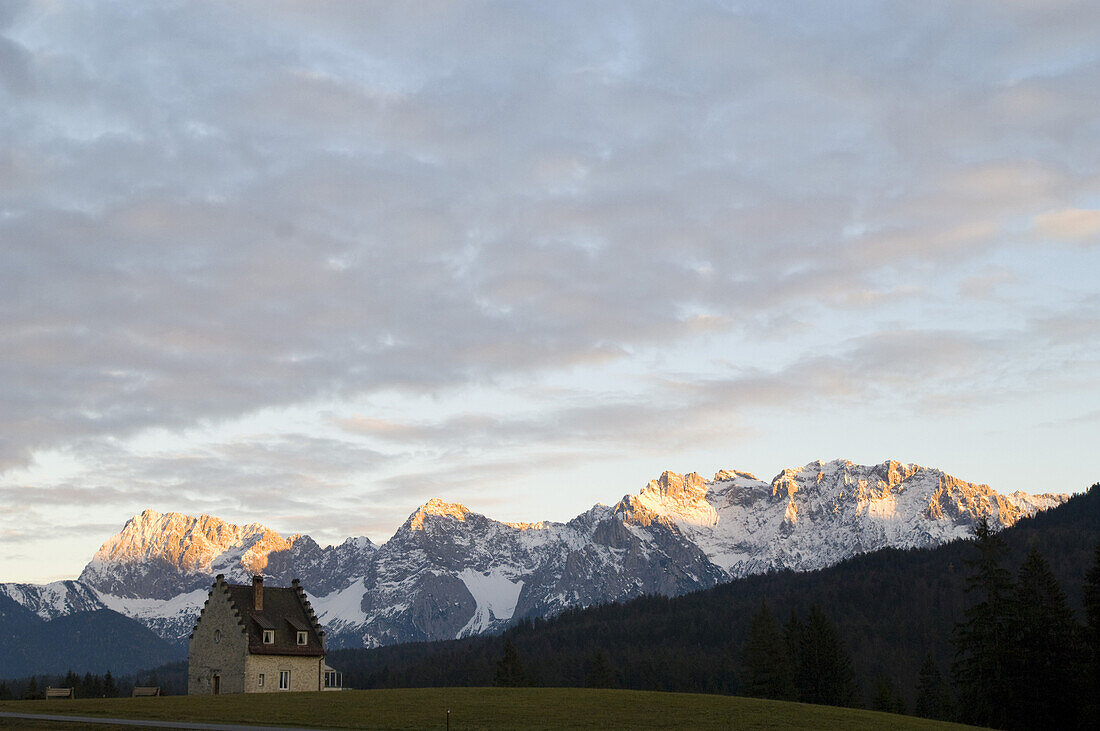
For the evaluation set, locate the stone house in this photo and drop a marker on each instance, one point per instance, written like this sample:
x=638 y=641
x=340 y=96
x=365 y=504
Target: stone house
x=256 y=639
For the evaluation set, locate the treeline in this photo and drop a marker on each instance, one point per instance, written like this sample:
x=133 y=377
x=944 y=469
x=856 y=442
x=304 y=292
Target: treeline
x=170 y=678
x=1021 y=660
x=893 y=615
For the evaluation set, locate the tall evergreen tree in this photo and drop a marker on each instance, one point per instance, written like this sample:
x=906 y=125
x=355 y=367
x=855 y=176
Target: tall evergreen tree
x=887 y=698
x=110 y=688
x=1045 y=667
x=933 y=693
x=768 y=670
x=510 y=672
x=71 y=680
x=600 y=673
x=5 y=691
x=1092 y=631
x=825 y=668
x=792 y=639
x=983 y=643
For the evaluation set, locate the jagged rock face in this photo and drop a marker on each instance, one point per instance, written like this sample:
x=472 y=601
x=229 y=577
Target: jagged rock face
x=328 y=568
x=449 y=572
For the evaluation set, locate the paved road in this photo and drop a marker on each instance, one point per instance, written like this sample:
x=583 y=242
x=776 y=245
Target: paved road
x=149 y=724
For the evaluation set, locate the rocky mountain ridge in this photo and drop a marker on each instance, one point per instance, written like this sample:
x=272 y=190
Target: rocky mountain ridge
x=450 y=572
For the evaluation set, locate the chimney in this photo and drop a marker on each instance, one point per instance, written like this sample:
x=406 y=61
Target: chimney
x=258 y=593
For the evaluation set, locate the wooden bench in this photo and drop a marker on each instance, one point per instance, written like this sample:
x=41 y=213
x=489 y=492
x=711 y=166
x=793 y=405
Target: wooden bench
x=145 y=691
x=59 y=693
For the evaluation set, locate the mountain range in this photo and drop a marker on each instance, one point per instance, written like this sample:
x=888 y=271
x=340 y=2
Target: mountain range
x=449 y=572
x=895 y=611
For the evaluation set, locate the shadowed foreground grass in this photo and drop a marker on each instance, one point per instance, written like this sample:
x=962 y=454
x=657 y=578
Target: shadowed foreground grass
x=481 y=708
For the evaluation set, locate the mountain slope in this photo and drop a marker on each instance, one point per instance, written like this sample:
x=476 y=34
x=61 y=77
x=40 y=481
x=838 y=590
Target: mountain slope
x=449 y=572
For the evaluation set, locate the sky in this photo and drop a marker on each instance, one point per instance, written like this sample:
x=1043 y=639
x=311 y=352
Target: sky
x=312 y=264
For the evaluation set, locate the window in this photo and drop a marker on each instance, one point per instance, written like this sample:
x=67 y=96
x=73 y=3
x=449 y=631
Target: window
x=303 y=638
x=261 y=683
x=217 y=636
x=269 y=637
x=284 y=680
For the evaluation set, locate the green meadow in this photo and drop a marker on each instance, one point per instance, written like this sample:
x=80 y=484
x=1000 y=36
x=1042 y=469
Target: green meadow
x=478 y=708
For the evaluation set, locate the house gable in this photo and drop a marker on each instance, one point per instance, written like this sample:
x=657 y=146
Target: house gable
x=218 y=645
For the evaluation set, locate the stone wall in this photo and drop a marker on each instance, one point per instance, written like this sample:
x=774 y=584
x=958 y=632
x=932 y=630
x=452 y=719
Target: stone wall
x=305 y=673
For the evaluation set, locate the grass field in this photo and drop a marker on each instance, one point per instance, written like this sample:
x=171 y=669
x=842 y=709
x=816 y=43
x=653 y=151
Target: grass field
x=478 y=708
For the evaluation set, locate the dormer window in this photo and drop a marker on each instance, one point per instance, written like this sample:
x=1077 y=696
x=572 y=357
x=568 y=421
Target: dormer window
x=303 y=638
x=269 y=637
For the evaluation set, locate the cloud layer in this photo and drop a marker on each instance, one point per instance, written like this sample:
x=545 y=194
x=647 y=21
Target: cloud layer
x=371 y=252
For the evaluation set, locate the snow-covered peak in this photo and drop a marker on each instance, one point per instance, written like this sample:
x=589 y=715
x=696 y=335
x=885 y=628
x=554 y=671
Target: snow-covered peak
x=55 y=599
x=842 y=477
x=1032 y=503
x=680 y=499
x=734 y=476
x=157 y=553
x=540 y=525
x=437 y=508
x=190 y=544
x=358 y=544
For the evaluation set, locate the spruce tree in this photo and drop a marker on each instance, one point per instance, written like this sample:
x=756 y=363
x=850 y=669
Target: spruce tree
x=792 y=639
x=768 y=671
x=5 y=691
x=1045 y=666
x=110 y=688
x=825 y=668
x=510 y=672
x=887 y=698
x=1092 y=631
x=600 y=674
x=983 y=646
x=933 y=693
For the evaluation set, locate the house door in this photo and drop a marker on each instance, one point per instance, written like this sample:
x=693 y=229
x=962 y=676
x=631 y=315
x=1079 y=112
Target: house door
x=217 y=684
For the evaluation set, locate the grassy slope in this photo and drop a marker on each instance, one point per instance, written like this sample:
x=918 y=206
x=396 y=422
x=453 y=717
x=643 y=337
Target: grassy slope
x=471 y=708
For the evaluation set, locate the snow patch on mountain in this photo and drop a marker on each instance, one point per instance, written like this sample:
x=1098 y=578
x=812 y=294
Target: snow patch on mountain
x=172 y=618
x=495 y=594
x=341 y=609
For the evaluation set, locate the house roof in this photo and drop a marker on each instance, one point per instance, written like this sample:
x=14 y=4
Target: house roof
x=285 y=610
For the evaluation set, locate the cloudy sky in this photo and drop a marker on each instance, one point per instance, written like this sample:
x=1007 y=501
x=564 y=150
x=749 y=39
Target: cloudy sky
x=310 y=265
